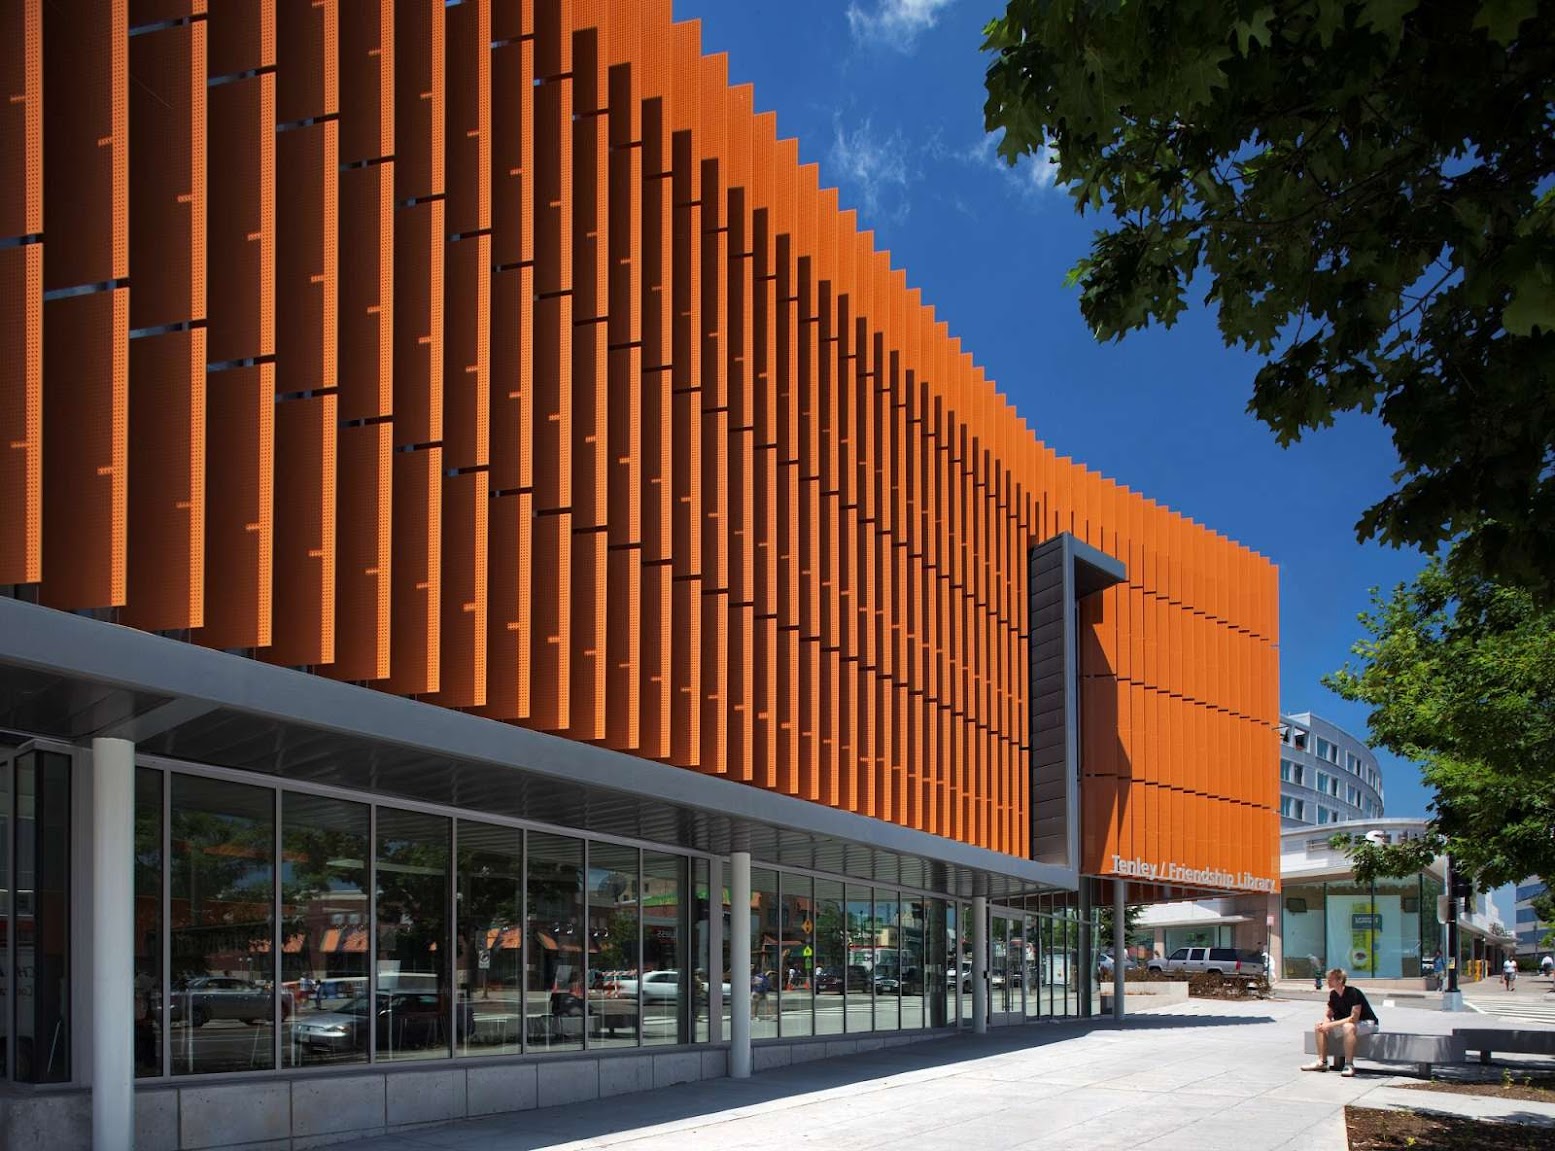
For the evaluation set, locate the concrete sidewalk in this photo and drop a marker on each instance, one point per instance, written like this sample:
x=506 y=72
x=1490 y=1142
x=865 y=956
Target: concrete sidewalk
x=1201 y=1076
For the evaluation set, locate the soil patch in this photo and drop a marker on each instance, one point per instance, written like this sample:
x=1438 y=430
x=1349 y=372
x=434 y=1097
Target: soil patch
x=1538 y=1087
x=1373 y=1129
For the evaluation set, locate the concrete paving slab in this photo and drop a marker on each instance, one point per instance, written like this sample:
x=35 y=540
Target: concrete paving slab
x=1200 y=1076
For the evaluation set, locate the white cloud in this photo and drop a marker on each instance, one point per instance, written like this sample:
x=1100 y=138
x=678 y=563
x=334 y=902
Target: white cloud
x=896 y=23
x=1032 y=175
x=875 y=167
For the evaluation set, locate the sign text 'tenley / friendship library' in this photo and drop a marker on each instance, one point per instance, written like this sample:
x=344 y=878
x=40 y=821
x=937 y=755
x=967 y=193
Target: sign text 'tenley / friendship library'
x=1169 y=872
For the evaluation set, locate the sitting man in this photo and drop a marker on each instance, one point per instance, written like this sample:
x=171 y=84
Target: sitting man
x=1350 y=1015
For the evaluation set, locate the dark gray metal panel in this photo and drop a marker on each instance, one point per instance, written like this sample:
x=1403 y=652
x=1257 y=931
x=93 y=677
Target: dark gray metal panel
x=70 y=677
x=1063 y=570
x=1054 y=795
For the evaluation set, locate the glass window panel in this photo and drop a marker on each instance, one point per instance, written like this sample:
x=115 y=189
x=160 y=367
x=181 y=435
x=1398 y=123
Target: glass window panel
x=796 y=1001
x=936 y=967
x=914 y=925
x=701 y=927
x=221 y=1004
x=831 y=957
x=884 y=961
x=618 y=993
x=766 y=953
x=964 y=961
x=553 y=996
x=324 y=929
x=43 y=918
x=5 y=915
x=856 y=978
x=490 y=952
x=148 y=922
x=667 y=983
x=413 y=1007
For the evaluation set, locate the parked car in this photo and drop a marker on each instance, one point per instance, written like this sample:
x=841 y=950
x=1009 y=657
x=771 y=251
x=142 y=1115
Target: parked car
x=855 y=977
x=657 y=985
x=1211 y=960
x=405 y=1019
x=207 y=997
x=1104 y=964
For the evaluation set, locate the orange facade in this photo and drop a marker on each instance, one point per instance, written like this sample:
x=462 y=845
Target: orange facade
x=500 y=354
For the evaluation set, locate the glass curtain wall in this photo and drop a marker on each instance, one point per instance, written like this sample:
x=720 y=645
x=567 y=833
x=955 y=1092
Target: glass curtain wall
x=490 y=939
x=883 y=957
x=324 y=914
x=914 y=960
x=858 y=986
x=5 y=917
x=831 y=958
x=766 y=952
x=1384 y=930
x=221 y=1009
x=149 y=1028
x=554 y=962
x=618 y=997
x=413 y=1002
x=668 y=985
x=796 y=1000
x=706 y=971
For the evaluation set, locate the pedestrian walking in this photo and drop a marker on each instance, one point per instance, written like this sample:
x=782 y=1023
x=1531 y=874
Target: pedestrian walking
x=1509 y=973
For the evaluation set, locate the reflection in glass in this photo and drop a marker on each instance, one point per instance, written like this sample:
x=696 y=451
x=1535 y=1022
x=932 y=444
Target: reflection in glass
x=412 y=1006
x=765 y=952
x=324 y=917
x=149 y=1025
x=795 y=999
x=1036 y=985
x=5 y=911
x=222 y=1003
x=884 y=961
x=964 y=961
x=859 y=918
x=43 y=917
x=553 y=959
x=701 y=928
x=831 y=957
x=617 y=994
x=913 y=927
x=668 y=988
x=489 y=952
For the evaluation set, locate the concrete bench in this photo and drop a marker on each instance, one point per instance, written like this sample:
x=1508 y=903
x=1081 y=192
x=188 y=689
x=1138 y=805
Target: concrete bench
x=1424 y=1051
x=1507 y=1040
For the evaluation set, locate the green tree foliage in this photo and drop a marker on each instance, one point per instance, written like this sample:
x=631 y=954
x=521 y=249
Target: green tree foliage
x=1459 y=674
x=1363 y=187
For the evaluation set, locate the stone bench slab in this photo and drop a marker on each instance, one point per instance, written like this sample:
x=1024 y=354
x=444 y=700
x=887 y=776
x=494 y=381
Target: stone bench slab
x=1507 y=1040
x=1424 y=1051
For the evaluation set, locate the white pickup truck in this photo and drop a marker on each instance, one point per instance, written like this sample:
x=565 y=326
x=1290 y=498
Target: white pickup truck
x=1213 y=960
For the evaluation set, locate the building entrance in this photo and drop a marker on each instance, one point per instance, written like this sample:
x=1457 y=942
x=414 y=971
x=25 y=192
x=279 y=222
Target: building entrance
x=1009 y=966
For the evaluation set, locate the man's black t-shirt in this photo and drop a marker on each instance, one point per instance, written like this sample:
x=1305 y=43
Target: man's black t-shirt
x=1342 y=1003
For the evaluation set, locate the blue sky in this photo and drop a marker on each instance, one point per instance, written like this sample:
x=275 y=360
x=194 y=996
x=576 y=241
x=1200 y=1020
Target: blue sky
x=887 y=96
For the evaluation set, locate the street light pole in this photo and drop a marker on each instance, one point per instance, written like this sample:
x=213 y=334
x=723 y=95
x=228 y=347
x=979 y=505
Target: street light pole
x=1452 y=999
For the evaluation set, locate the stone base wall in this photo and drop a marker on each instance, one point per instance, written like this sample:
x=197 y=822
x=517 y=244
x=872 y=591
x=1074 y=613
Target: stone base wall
x=306 y=1111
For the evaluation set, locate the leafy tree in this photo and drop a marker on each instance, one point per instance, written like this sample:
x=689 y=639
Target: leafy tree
x=1364 y=190
x=1459 y=673
x=1544 y=911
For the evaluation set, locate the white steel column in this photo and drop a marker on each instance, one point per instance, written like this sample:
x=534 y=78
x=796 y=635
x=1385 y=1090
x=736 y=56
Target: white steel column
x=1119 y=943
x=979 y=964
x=113 y=945
x=740 y=965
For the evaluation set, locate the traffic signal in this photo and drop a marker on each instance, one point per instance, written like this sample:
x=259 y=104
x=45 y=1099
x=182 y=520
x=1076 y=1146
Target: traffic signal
x=1461 y=886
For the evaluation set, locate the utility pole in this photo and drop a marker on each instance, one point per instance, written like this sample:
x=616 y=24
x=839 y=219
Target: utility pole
x=1452 y=999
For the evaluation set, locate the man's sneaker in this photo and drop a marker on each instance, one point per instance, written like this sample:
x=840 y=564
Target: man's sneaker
x=1315 y=1065
x=1349 y=1071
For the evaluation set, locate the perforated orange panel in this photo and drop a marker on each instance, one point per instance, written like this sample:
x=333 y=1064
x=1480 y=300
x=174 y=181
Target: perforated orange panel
x=85 y=475
x=166 y=577
x=21 y=414
x=167 y=185
x=597 y=414
x=240 y=508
